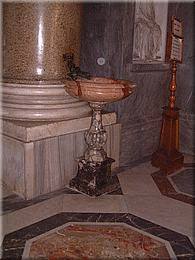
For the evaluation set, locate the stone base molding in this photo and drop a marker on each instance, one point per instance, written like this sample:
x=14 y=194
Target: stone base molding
x=40 y=102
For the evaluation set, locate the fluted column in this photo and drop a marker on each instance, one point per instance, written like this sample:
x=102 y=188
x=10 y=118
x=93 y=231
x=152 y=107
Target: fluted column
x=35 y=37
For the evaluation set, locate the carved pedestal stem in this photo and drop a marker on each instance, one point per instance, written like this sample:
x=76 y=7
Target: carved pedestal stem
x=172 y=86
x=96 y=136
x=94 y=176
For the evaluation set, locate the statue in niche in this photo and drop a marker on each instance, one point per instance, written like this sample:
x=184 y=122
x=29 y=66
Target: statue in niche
x=147 y=33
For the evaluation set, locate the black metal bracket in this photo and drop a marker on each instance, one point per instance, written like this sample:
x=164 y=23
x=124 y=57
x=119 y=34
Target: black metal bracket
x=75 y=72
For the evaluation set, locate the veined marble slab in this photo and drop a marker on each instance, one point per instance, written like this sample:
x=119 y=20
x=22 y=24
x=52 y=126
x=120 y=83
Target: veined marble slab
x=187 y=132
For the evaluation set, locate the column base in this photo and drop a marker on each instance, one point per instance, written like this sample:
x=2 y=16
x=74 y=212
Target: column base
x=169 y=163
x=38 y=102
x=95 y=179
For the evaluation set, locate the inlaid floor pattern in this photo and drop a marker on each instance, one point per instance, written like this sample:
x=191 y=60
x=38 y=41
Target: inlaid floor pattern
x=78 y=241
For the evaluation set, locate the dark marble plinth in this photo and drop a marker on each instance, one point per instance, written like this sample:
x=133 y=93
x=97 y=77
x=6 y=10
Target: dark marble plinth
x=95 y=179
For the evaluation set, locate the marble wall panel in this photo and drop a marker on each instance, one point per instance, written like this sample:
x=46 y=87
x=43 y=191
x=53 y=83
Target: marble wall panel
x=147 y=100
x=139 y=141
x=47 y=165
x=68 y=155
x=140 y=116
x=112 y=145
x=29 y=169
x=187 y=133
x=13 y=169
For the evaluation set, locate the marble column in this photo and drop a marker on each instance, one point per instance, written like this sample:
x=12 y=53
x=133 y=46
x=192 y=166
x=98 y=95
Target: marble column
x=35 y=37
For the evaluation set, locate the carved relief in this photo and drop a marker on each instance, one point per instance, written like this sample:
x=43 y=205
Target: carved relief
x=149 y=31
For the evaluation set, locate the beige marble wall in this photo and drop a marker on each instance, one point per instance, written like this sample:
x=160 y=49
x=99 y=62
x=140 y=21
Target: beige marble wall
x=42 y=165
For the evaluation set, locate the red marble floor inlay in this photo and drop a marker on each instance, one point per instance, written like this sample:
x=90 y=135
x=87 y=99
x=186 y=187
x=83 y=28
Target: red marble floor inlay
x=166 y=187
x=78 y=241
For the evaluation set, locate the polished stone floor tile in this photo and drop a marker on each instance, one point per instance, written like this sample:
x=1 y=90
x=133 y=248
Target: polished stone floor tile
x=136 y=236
x=29 y=215
x=61 y=203
x=170 y=213
x=178 y=185
x=183 y=181
x=145 y=202
x=14 y=202
x=134 y=182
x=105 y=203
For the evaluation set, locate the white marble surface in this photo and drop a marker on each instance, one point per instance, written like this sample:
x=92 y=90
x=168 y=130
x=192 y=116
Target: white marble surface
x=32 y=214
x=13 y=161
x=102 y=204
x=163 y=211
x=144 y=199
x=134 y=182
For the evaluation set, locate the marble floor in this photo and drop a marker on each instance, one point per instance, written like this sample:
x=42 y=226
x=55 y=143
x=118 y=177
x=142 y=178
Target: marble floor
x=150 y=217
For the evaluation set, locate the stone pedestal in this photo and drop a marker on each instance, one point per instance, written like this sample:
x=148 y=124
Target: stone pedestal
x=40 y=157
x=35 y=37
x=95 y=179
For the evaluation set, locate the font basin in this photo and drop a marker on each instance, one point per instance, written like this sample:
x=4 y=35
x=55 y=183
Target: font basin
x=99 y=89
